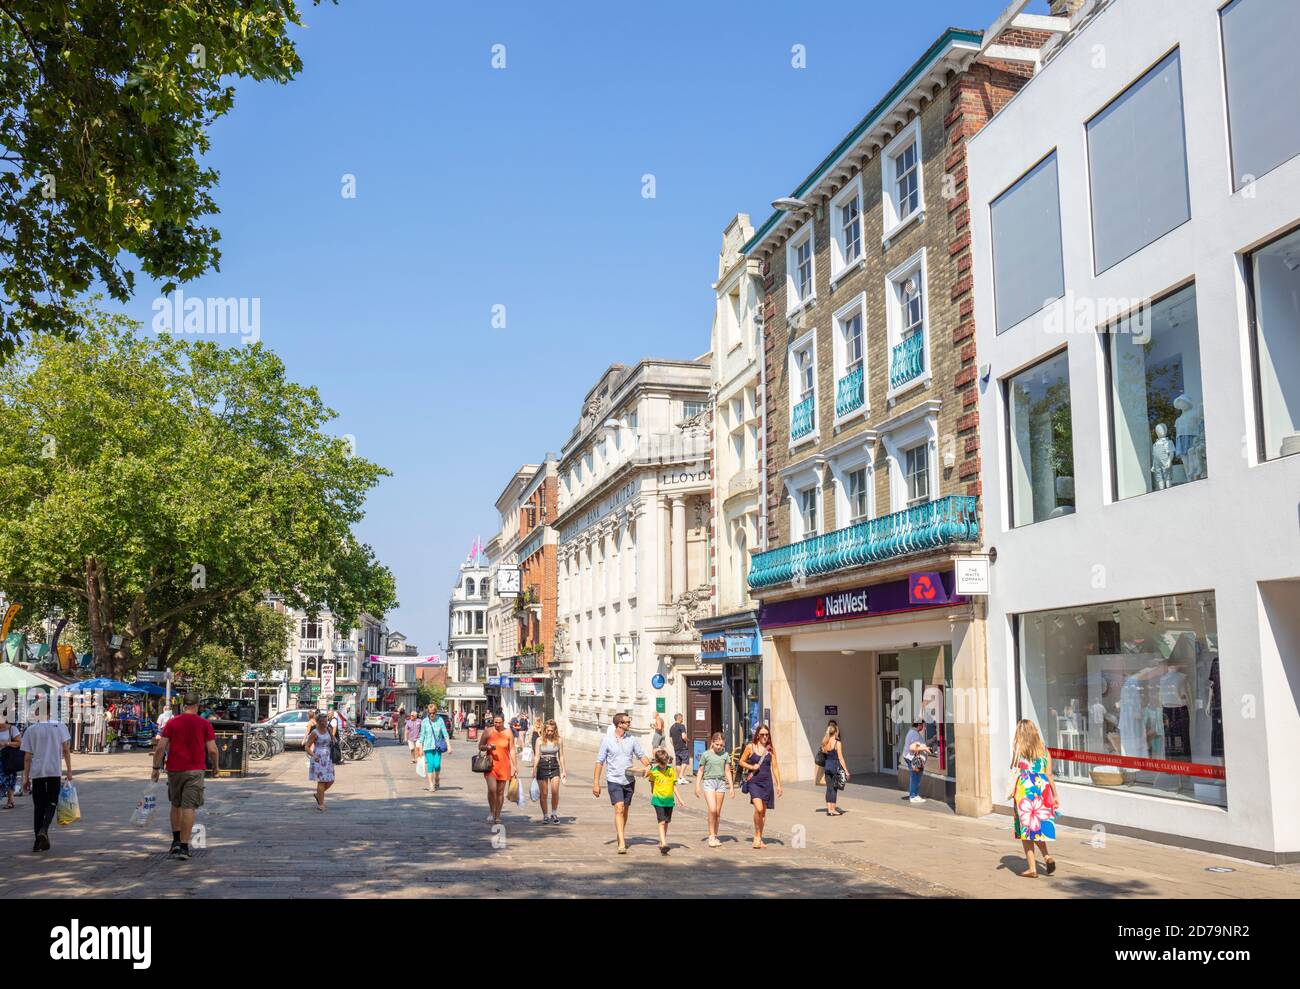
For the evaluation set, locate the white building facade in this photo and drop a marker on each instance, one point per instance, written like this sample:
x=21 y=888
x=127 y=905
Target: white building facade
x=632 y=560
x=468 y=670
x=502 y=626
x=730 y=638
x=1136 y=233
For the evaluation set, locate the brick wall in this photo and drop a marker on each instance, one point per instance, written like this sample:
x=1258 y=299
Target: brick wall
x=953 y=114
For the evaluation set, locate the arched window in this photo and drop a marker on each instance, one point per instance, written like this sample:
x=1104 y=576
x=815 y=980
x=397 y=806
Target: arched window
x=469 y=587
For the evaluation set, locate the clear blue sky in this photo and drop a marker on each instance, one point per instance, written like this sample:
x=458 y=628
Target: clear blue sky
x=519 y=187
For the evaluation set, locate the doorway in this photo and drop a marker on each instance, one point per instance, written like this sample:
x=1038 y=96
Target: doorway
x=891 y=730
x=703 y=713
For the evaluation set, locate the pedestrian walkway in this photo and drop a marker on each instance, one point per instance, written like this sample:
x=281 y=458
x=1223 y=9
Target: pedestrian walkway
x=978 y=857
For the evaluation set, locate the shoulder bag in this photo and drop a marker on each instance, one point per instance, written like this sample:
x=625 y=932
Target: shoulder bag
x=482 y=761
x=820 y=758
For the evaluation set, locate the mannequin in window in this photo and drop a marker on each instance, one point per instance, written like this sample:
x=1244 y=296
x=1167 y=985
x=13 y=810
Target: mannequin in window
x=1175 y=699
x=1189 y=437
x=1162 y=459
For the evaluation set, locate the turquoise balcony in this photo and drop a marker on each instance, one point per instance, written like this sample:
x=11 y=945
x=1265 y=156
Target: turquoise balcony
x=849 y=393
x=931 y=526
x=802 y=423
x=907 y=360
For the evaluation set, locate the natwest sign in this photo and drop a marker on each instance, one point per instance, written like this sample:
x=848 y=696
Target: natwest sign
x=890 y=597
x=843 y=604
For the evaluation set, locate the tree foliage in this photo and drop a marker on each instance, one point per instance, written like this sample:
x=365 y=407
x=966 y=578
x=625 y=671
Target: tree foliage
x=152 y=485
x=105 y=107
x=427 y=692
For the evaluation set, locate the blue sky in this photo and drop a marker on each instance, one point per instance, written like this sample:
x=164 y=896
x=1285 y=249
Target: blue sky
x=519 y=187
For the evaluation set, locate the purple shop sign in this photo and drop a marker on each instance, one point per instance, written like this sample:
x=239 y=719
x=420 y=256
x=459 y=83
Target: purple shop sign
x=861 y=602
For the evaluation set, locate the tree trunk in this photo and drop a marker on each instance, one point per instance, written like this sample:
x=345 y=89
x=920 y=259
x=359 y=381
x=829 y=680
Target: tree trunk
x=95 y=618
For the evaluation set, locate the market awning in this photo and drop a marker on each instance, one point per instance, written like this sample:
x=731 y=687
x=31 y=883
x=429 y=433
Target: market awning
x=105 y=684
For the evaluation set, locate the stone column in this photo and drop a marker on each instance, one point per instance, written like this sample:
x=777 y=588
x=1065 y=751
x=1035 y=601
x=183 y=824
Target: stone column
x=970 y=711
x=779 y=677
x=679 y=548
x=661 y=547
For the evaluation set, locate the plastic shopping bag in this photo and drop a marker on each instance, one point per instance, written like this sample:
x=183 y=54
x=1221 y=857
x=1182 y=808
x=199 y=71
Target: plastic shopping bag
x=68 y=810
x=419 y=767
x=523 y=796
x=534 y=792
x=144 y=809
x=526 y=756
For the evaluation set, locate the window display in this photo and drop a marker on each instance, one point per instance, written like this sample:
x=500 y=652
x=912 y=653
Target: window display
x=1127 y=694
x=1041 y=441
x=1155 y=381
x=1275 y=304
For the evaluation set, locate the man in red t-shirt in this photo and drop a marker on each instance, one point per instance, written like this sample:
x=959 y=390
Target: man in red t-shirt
x=186 y=743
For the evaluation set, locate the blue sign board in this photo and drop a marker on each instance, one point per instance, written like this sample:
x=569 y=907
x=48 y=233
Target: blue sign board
x=737 y=643
x=657 y=681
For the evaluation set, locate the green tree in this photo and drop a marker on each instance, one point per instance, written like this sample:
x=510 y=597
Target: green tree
x=148 y=484
x=105 y=107
x=427 y=693
x=213 y=670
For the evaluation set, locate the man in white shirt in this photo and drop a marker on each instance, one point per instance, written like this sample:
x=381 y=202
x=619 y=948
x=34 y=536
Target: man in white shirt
x=42 y=744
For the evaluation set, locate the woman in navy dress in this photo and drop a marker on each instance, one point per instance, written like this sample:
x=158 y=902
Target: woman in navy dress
x=761 y=775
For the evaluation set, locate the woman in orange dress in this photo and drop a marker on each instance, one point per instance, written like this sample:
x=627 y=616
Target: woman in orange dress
x=500 y=743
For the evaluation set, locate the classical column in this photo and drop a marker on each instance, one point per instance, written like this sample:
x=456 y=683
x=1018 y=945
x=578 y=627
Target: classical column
x=661 y=544
x=679 y=547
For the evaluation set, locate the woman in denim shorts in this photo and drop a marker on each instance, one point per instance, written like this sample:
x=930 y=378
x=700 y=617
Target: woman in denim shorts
x=716 y=779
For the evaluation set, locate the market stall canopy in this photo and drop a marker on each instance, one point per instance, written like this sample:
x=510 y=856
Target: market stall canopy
x=150 y=688
x=16 y=678
x=106 y=685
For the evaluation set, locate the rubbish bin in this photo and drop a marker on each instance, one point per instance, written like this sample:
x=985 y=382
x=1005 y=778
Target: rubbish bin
x=232 y=748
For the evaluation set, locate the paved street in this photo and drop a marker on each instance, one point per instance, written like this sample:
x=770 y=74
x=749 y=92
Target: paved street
x=385 y=835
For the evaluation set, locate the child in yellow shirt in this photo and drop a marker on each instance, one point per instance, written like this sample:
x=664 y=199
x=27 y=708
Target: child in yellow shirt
x=663 y=779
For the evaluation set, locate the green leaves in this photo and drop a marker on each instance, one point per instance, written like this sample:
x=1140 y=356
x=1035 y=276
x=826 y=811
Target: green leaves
x=103 y=105
x=128 y=462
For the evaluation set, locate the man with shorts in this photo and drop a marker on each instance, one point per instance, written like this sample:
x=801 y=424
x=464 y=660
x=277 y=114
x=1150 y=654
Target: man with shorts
x=617 y=754
x=681 y=750
x=186 y=743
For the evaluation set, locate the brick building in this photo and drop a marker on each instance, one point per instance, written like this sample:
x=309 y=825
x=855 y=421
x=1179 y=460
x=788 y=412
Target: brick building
x=872 y=447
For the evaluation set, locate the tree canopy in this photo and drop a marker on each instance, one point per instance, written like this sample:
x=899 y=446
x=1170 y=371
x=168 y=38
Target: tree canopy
x=105 y=107
x=157 y=486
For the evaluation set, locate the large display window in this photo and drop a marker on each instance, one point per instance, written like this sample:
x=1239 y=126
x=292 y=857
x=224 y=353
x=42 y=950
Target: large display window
x=1128 y=694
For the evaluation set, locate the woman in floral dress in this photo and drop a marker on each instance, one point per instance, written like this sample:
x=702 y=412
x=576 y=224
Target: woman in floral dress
x=1033 y=796
x=320 y=770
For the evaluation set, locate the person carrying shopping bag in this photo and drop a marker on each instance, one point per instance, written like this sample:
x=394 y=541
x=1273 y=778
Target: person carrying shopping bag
x=436 y=743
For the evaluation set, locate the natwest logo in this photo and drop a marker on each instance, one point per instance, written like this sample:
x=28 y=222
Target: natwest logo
x=844 y=603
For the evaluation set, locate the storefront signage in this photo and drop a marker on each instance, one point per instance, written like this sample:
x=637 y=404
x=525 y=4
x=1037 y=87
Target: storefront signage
x=742 y=644
x=670 y=479
x=704 y=683
x=832 y=710
x=372 y=693
x=926 y=588
x=661 y=705
x=1171 y=766
x=530 y=688
x=657 y=681
x=972 y=574
x=601 y=509
x=878 y=599
x=624 y=653
x=327 y=678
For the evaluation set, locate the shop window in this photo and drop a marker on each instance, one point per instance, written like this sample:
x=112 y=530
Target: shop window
x=1258 y=52
x=1158 y=422
x=1041 y=444
x=1025 y=222
x=1128 y=694
x=1137 y=166
x=1274 y=283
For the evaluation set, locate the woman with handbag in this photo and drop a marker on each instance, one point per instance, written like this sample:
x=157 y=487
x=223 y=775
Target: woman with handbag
x=915 y=750
x=837 y=773
x=499 y=743
x=761 y=775
x=434 y=741
x=320 y=769
x=11 y=760
x=1033 y=795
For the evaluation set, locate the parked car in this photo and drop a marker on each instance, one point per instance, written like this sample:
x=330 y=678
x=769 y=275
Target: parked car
x=294 y=724
x=377 y=719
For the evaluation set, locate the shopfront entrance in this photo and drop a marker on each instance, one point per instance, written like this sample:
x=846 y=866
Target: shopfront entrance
x=703 y=711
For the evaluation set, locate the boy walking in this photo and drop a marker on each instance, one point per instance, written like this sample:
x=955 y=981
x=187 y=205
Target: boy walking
x=663 y=781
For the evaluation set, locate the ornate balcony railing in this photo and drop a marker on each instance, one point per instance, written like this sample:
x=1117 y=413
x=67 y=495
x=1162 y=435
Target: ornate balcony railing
x=935 y=524
x=802 y=424
x=849 y=393
x=907 y=360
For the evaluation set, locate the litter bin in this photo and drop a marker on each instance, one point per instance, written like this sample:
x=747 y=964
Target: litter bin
x=232 y=748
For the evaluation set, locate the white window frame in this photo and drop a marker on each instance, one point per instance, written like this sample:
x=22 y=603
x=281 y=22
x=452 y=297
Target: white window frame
x=916 y=425
x=856 y=457
x=840 y=265
x=792 y=301
x=894 y=223
x=924 y=449
x=915 y=265
x=807 y=342
x=799 y=477
x=856 y=305
x=810 y=496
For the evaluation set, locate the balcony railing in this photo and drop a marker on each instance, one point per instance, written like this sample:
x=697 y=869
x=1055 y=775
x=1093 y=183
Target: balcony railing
x=849 y=393
x=907 y=360
x=310 y=645
x=914 y=530
x=802 y=423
